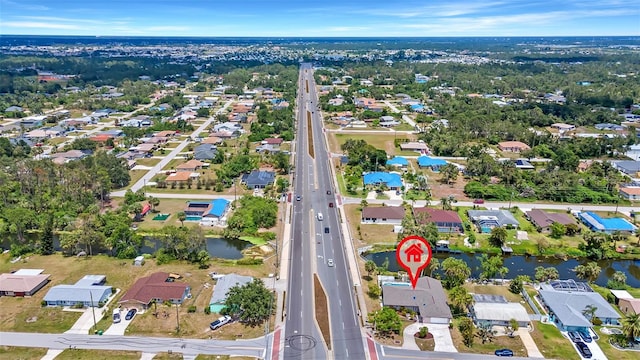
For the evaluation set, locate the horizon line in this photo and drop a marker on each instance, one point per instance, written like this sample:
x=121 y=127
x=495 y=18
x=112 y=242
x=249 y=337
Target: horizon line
x=323 y=37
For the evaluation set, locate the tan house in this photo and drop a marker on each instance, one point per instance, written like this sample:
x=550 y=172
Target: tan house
x=387 y=215
x=415 y=146
x=630 y=193
x=165 y=133
x=191 y=165
x=24 y=282
x=513 y=146
x=629 y=306
x=181 y=176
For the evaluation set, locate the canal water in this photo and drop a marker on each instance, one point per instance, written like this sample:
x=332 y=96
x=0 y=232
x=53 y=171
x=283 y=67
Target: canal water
x=525 y=265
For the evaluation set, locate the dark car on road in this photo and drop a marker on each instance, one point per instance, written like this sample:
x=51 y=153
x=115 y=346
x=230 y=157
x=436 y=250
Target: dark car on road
x=574 y=336
x=478 y=201
x=326 y=230
x=504 y=352
x=584 y=350
x=130 y=314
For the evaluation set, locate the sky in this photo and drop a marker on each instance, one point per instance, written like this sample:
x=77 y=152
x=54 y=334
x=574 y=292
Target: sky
x=321 y=18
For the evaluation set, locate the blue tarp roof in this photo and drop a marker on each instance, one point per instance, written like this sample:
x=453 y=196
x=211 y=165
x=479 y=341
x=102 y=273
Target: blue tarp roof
x=607 y=224
x=218 y=207
x=398 y=160
x=392 y=180
x=428 y=161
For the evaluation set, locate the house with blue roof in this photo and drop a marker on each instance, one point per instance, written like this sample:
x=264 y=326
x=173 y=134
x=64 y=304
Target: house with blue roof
x=214 y=209
x=392 y=180
x=218 y=208
x=606 y=225
x=398 y=161
x=431 y=163
x=417 y=107
x=88 y=291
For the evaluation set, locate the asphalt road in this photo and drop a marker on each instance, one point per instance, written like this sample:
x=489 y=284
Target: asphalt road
x=302 y=336
x=311 y=244
x=251 y=348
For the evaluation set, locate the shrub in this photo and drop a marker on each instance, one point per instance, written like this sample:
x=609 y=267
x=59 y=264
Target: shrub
x=249 y=261
x=43 y=303
x=78 y=305
x=192 y=309
x=596 y=321
x=207 y=310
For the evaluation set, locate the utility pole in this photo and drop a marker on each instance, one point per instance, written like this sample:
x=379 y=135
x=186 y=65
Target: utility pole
x=177 y=319
x=93 y=309
x=510 y=199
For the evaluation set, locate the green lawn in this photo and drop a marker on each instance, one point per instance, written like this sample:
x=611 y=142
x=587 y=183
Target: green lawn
x=552 y=344
x=613 y=353
x=80 y=354
x=21 y=353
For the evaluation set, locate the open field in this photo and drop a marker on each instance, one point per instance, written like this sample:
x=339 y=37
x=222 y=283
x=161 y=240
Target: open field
x=136 y=175
x=147 y=161
x=551 y=343
x=379 y=141
x=22 y=353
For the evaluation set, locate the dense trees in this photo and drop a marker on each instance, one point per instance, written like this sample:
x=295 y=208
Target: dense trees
x=252 y=303
x=252 y=213
x=456 y=272
x=385 y=321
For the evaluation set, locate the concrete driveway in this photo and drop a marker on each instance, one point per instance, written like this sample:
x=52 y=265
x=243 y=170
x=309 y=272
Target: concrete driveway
x=85 y=322
x=121 y=327
x=440 y=332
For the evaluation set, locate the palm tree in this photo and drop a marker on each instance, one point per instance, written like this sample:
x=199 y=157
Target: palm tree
x=590 y=311
x=153 y=201
x=631 y=326
x=446 y=203
x=370 y=267
x=433 y=266
x=182 y=217
x=460 y=298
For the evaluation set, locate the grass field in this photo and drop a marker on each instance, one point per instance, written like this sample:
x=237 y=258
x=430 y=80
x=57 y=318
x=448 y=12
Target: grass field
x=80 y=354
x=22 y=353
x=147 y=161
x=499 y=342
x=379 y=141
x=370 y=233
x=552 y=344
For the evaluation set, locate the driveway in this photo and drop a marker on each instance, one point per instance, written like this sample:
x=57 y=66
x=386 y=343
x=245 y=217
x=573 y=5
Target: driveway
x=121 y=327
x=529 y=344
x=85 y=321
x=440 y=332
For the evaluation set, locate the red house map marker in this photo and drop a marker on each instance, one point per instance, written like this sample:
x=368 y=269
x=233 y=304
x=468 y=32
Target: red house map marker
x=414 y=254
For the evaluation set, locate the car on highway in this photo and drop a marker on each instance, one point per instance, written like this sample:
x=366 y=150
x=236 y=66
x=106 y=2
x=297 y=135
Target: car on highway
x=220 y=322
x=331 y=205
x=504 y=352
x=130 y=314
x=574 y=336
x=326 y=230
x=298 y=197
x=585 y=336
x=328 y=192
x=584 y=350
x=320 y=217
x=330 y=262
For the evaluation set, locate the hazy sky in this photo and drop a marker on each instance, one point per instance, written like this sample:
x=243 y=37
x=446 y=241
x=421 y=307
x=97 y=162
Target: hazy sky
x=321 y=18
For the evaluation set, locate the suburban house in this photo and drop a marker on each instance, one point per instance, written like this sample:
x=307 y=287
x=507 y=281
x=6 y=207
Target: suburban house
x=561 y=127
x=88 y=291
x=543 y=219
x=222 y=287
x=205 y=152
x=70 y=155
x=386 y=215
x=565 y=300
x=398 y=161
x=180 y=176
x=191 y=165
x=24 y=282
x=388 y=121
x=513 y=146
x=626 y=303
x=428 y=299
x=630 y=192
x=365 y=103
x=523 y=164
x=607 y=225
x=496 y=310
x=213 y=209
x=447 y=221
x=259 y=179
x=486 y=220
x=392 y=180
x=274 y=142
x=228 y=126
x=160 y=287
x=417 y=146
x=211 y=140
x=628 y=167
x=431 y=163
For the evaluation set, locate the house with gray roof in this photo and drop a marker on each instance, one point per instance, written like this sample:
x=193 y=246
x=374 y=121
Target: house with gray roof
x=259 y=179
x=629 y=167
x=486 y=220
x=88 y=291
x=566 y=300
x=205 y=152
x=222 y=287
x=428 y=299
x=544 y=219
x=387 y=215
x=496 y=310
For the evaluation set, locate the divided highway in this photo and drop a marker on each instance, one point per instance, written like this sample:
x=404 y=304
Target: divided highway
x=317 y=245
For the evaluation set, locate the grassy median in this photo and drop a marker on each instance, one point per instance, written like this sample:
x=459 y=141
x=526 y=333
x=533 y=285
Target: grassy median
x=322 y=310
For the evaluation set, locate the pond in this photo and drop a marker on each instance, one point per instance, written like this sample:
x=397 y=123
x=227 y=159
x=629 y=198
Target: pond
x=217 y=247
x=525 y=265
